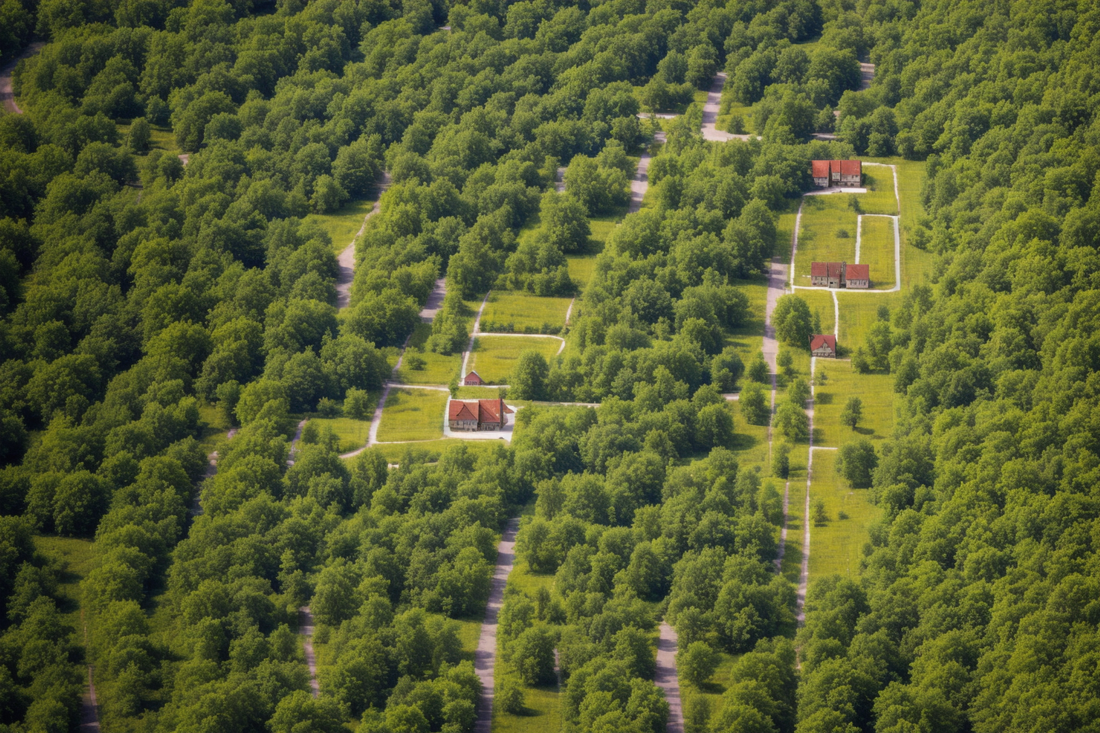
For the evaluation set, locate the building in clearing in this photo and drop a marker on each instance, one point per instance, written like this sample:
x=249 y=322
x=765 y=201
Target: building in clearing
x=473 y=379
x=823 y=345
x=857 y=276
x=827 y=173
x=473 y=415
x=827 y=274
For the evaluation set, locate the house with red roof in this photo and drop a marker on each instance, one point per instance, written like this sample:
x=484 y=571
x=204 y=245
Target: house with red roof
x=823 y=345
x=474 y=415
x=473 y=379
x=827 y=173
x=827 y=274
x=857 y=276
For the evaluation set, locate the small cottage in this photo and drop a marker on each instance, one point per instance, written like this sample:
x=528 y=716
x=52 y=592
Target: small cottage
x=819 y=169
x=473 y=379
x=823 y=345
x=825 y=173
x=857 y=276
x=474 y=415
x=827 y=274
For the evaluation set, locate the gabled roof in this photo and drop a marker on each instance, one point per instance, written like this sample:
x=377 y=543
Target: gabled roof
x=859 y=272
x=491 y=410
x=851 y=168
x=820 y=339
x=473 y=374
x=820 y=168
x=819 y=269
x=463 y=410
x=834 y=166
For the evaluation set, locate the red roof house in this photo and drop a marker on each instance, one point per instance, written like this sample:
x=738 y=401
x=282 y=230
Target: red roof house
x=836 y=173
x=823 y=345
x=473 y=379
x=478 y=414
x=858 y=276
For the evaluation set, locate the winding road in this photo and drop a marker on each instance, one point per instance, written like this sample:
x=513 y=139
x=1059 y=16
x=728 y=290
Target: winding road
x=485 y=656
x=7 y=91
x=346 y=259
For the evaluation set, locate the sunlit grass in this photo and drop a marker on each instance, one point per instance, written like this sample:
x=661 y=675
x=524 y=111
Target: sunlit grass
x=77 y=558
x=828 y=234
x=876 y=249
x=879 y=198
x=837 y=545
x=344 y=224
x=494 y=357
x=438 y=369
x=876 y=392
x=412 y=414
x=351 y=434
x=513 y=311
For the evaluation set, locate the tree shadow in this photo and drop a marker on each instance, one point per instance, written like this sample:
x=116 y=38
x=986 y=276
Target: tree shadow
x=823 y=398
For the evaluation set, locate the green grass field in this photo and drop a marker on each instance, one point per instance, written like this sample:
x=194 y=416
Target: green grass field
x=875 y=390
x=352 y=434
x=494 y=356
x=514 y=311
x=478 y=393
x=412 y=414
x=77 y=558
x=879 y=198
x=916 y=264
x=439 y=369
x=836 y=546
x=820 y=302
x=858 y=312
x=749 y=337
x=792 y=555
x=344 y=224
x=876 y=248
x=396 y=452
x=828 y=234
x=750 y=441
x=734 y=110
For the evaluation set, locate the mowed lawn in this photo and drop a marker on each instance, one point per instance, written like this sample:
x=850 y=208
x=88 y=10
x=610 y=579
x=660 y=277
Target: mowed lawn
x=837 y=545
x=438 y=369
x=876 y=249
x=821 y=303
x=916 y=264
x=494 y=356
x=875 y=390
x=516 y=311
x=748 y=338
x=879 y=199
x=858 y=312
x=351 y=434
x=343 y=224
x=412 y=414
x=828 y=234
x=784 y=236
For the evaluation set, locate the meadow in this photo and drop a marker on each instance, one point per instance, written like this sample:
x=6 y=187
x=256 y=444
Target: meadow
x=876 y=249
x=351 y=434
x=876 y=392
x=412 y=414
x=517 y=311
x=879 y=199
x=837 y=545
x=438 y=369
x=343 y=224
x=494 y=357
x=828 y=233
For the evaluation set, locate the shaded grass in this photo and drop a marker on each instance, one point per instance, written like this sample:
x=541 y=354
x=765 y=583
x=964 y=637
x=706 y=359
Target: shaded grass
x=438 y=369
x=352 y=434
x=514 y=311
x=876 y=248
x=875 y=390
x=858 y=312
x=837 y=545
x=494 y=357
x=792 y=555
x=750 y=442
x=748 y=338
x=745 y=111
x=76 y=558
x=432 y=449
x=212 y=430
x=879 y=198
x=342 y=225
x=821 y=303
x=824 y=220
x=412 y=414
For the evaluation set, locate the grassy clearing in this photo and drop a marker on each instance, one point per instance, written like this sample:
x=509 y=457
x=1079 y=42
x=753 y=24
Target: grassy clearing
x=745 y=111
x=916 y=264
x=581 y=269
x=342 y=225
x=821 y=303
x=438 y=368
x=858 y=313
x=160 y=138
x=792 y=554
x=875 y=390
x=879 y=198
x=876 y=248
x=213 y=430
x=828 y=234
x=750 y=441
x=784 y=237
x=494 y=357
x=513 y=311
x=412 y=414
x=351 y=434
x=77 y=557
x=718 y=684
x=837 y=545
x=478 y=393
x=749 y=337
x=397 y=452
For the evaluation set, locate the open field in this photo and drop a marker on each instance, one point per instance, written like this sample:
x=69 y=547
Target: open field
x=516 y=311
x=395 y=452
x=828 y=234
x=792 y=555
x=438 y=368
x=916 y=264
x=749 y=337
x=879 y=198
x=858 y=312
x=412 y=414
x=876 y=248
x=342 y=225
x=494 y=357
x=837 y=545
x=352 y=434
x=77 y=557
x=750 y=441
x=160 y=138
x=875 y=390
x=821 y=303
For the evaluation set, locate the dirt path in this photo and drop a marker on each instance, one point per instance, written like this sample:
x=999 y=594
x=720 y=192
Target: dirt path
x=866 y=75
x=559 y=181
x=710 y=114
x=485 y=656
x=667 y=679
x=305 y=628
x=804 y=572
x=473 y=335
x=7 y=92
x=89 y=707
x=640 y=182
x=435 y=301
x=294 y=443
x=346 y=259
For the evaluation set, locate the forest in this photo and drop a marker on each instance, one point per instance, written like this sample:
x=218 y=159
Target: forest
x=185 y=330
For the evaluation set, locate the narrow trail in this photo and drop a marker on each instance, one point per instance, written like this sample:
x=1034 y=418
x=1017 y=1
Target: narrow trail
x=667 y=679
x=305 y=628
x=640 y=182
x=485 y=656
x=346 y=259
x=710 y=114
x=473 y=335
x=559 y=181
x=435 y=301
x=804 y=572
x=294 y=443
x=208 y=473
x=89 y=707
x=866 y=75
x=7 y=91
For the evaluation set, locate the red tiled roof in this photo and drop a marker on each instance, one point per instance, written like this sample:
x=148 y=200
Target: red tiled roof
x=819 y=339
x=851 y=168
x=836 y=269
x=820 y=168
x=473 y=374
x=491 y=410
x=819 y=269
x=859 y=272
x=463 y=410
x=834 y=166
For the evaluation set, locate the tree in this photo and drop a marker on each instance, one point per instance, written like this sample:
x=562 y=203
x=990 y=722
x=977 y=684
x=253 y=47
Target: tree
x=697 y=662
x=511 y=696
x=793 y=321
x=818 y=512
x=853 y=411
x=528 y=379
x=138 y=137
x=299 y=711
x=758 y=369
x=357 y=404
x=781 y=463
x=754 y=404
x=856 y=462
x=533 y=656
x=785 y=361
x=792 y=422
